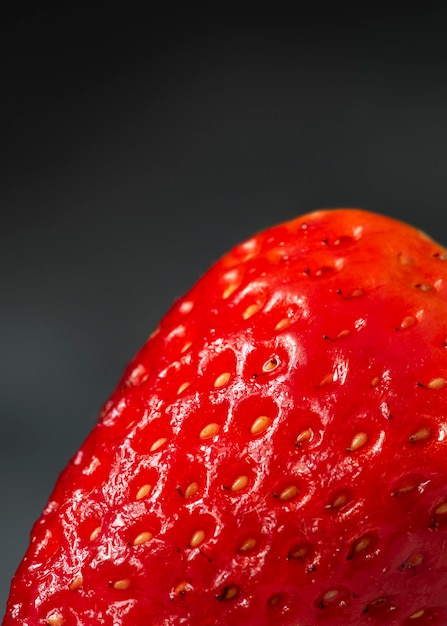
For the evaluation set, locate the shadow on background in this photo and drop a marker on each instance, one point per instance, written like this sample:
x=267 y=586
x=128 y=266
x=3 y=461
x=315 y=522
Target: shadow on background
x=137 y=150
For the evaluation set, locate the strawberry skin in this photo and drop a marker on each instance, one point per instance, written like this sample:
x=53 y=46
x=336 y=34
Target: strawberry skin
x=276 y=453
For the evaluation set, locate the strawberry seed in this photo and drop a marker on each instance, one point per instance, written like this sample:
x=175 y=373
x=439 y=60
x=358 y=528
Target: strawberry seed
x=283 y=323
x=191 y=490
x=240 y=483
x=359 y=545
x=186 y=347
x=357 y=442
x=121 y=585
x=326 y=380
x=209 y=431
x=299 y=552
x=250 y=311
x=142 y=492
x=418 y=614
x=197 y=538
x=55 y=619
x=413 y=561
x=421 y=435
x=182 y=387
x=441 y=509
x=304 y=437
x=248 y=545
x=76 y=583
x=142 y=538
x=330 y=596
x=182 y=588
x=234 y=280
x=408 y=321
x=228 y=593
x=288 y=493
x=260 y=424
x=158 y=444
x=228 y=291
x=437 y=383
x=95 y=533
x=339 y=501
x=271 y=364
x=222 y=379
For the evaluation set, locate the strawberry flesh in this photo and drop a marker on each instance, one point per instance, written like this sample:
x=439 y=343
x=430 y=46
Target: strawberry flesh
x=274 y=454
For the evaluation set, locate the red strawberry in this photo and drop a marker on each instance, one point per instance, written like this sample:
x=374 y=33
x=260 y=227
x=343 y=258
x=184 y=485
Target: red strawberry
x=275 y=454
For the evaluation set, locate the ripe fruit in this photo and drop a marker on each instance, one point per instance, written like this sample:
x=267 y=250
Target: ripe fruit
x=275 y=453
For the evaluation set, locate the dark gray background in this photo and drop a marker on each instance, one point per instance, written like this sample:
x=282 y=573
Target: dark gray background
x=136 y=150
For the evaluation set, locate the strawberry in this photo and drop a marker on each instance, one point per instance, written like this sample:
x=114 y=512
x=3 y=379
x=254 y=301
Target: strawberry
x=274 y=454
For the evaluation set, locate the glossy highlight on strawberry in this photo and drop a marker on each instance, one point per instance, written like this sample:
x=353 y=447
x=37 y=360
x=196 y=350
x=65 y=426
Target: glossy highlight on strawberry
x=274 y=454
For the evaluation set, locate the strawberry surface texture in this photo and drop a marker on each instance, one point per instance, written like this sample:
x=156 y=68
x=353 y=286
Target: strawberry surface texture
x=276 y=453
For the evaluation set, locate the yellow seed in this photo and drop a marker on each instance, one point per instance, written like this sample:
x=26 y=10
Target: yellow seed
x=210 y=430
x=405 y=259
x=95 y=533
x=304 y=436
x=326 y=380
x=358 y=441
x=274 y=600
x=357 y=293
x=182 y=387
x=282 y=323
x=441 y=509
x=157 y=444
x=222 y=379
x=414 y=560
x=250 y=311
x=76 y=583
x=187 y=345
x=375 y=381
x=191 y=490
x=240 y=483
x=142 y=538
x=271 y=364
x=182 y=588
x=406 y=488
x=122 y=584
x=361 y=544
x=299 y=552
x=417 y=614
x=288 y=493
x=197 y=538
x=408 y=321
x=421 y=435
x=55 y=619
x=343 y=333
x=233 y=279
x=339 y=501
x=248 y=545
x=142 y=492
x=260 y=424
x=229 y=592
x=437 y=383
x=228 y=291
x=329 y=596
